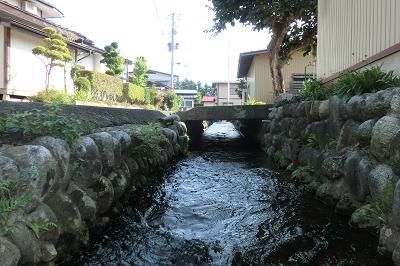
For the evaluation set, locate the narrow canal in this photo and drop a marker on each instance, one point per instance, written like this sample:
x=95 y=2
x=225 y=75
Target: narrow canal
x=222 y=206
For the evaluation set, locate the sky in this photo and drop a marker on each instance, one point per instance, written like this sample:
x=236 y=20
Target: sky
x=143 y=28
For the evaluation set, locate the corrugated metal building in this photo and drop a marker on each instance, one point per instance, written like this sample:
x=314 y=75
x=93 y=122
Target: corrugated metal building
x=254 y=66
x=353 y=34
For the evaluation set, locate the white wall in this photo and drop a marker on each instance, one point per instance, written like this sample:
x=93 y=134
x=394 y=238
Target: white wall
x=27 y=71
x=1 y=58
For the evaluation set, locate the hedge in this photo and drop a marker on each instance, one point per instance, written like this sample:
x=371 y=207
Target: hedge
x=134 y=93
x=104 y=87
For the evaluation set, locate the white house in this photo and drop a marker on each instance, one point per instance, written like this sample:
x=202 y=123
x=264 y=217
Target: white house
x=22 y=73
x=189 y=98
x=222 y=93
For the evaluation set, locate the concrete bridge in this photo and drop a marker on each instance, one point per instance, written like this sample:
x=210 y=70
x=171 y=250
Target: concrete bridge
x=239 y=112
x=249 y=119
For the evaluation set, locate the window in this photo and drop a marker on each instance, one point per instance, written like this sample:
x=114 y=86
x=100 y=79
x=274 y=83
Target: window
x=232 y=92
x=188 y=104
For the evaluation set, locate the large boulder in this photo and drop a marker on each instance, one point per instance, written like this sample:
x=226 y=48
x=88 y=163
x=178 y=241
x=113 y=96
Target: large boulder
x=383 y=135
x=356 y=107
x=27 y=243
x=318 y=129
x=311 y=157
x=348 y=134
x=388 y=239
x=364 y=132
x=381 y=181
x=396 y=205
x=324 y=109
x=122 y=138
x=104 y=195
x=363 y=218
x=105 y=143
x=61 y=153
x=332 y=165
x=394 y=153
x=44 y=215
x=356 y=175
x=9 y=253
x=37 y=168
x=8 y=169
x=85 y=204
x=86 y=167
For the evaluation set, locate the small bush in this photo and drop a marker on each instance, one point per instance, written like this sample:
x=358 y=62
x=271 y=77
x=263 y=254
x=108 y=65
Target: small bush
x=150 y=139
x=82 y=96
x=369 y=80
x=82 y=83
x=314 y=91
x=173 y=101
x=152 y=96
x=52 y=97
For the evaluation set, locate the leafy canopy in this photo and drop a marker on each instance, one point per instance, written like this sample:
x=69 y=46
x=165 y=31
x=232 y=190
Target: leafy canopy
x=296 y=19
x=112 y=59
x=140 y=72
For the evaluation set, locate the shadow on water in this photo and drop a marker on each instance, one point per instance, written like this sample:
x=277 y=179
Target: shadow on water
x=222 y=206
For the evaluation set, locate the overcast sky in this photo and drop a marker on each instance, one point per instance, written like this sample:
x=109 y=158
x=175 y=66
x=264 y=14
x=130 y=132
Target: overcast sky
x=142 y=28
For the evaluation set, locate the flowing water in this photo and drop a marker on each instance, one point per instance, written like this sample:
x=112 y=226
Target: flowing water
x=222 y=206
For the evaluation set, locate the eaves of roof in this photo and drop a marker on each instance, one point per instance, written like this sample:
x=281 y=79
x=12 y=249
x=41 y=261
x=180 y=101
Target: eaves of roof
x=245 y=60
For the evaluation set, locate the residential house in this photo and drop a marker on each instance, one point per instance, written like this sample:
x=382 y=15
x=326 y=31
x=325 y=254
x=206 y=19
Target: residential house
x=209 y=101
x=189 y=98
x=356 y=34
x=160 y=79
x=254 y=67
x=22 y=73
x=226 y=93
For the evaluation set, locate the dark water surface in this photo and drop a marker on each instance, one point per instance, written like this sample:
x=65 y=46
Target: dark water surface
x=222 y=206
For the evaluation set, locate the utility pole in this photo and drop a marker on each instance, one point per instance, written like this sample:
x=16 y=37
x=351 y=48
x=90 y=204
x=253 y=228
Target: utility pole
x=229 y=84
x=172 y=46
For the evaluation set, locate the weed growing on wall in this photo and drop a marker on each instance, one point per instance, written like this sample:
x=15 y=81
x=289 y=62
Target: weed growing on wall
x=150 y=139
x=312 y=141
x=10 y=204
x=301 y=171
x=30 y=124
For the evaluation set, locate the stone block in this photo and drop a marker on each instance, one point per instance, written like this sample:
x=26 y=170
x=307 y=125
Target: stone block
x=383 y=135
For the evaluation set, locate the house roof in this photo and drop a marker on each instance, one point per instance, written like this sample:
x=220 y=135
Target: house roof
x=56 y=10
x=224 y=82
x=208 y=99
x=30 y=22
x=245 y=60
x=186 y=92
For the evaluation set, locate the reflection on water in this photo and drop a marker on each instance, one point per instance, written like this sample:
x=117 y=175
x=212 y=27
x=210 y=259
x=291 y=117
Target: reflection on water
x=221 y=206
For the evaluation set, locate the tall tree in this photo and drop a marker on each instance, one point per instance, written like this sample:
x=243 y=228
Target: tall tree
x=112 y=59
x=54 y=53
x=292 y=24
x=140 y=72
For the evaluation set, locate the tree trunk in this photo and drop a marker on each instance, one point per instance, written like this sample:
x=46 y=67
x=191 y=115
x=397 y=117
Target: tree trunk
x=275 y=64
x=48 y=71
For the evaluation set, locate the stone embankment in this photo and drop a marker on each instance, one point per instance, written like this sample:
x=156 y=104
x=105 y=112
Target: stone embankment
x=73 y=188
x=348 y=152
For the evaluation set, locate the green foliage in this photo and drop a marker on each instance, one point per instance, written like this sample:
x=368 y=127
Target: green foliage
x=140 y=72
x=134 y=93
x=173 y=101
x=75 y=69
x=186 y=84
x=369 y=80
x=332 y=144
x=112 y=59
x=37 y=228
x=241 y=87
x=300 y=171
x=9 y=204
x=82 y=83
x=150 y=139
x=251 y=101
x=35 y=123
x=82 y=96
x=104 y=87
x=199 y=97
x=54 y=53
x=152 y=97
x=312 y=141
x=52 y=97
x=280 y=158
x=314 y=91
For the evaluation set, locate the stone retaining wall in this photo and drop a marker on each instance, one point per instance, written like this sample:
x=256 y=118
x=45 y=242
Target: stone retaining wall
x=348 y=152
x=76 y=187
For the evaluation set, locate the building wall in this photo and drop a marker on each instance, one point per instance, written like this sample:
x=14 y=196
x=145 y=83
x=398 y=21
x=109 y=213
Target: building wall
x=2 y=59
x=17 y=3
x=222 y=94
x=350 y=31
x=259 y=76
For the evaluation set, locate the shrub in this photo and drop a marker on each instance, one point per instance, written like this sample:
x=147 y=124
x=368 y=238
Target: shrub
x=82 y=83
x=173 y=101
x=82 y=96
x=152 y=97
x=134 y=93
x=369 y=80
x=314 y=91
x=150 y=139
x=52 y=97
x=104 y=87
